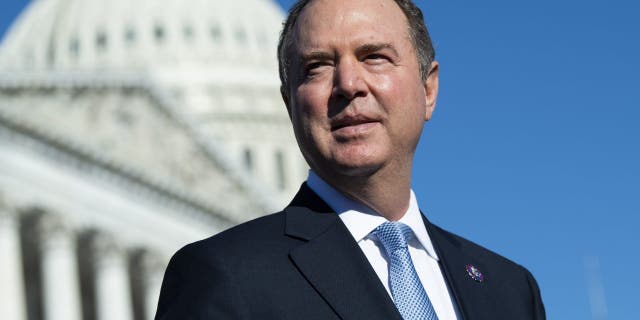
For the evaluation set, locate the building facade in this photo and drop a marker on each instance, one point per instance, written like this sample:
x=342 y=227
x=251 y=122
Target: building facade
x=127 y=130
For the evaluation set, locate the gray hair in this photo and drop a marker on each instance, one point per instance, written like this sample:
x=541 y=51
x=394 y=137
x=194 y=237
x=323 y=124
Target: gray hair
x=417 y=33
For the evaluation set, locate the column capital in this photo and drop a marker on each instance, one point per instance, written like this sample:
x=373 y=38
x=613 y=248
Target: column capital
x=54 y=230
x=106 y=249
x=150 y=261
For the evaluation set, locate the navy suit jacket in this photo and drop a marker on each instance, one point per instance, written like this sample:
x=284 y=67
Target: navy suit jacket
x=302 y=263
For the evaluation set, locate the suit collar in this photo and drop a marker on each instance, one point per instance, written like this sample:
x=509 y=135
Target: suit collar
x=334 y=265
x=332 y=261
x=361 y=220
x=307 y=215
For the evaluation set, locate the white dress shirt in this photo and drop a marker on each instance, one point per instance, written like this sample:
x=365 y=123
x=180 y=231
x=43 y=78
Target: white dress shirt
x=362 y=220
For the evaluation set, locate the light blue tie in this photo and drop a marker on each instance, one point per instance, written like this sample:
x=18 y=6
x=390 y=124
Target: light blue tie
x=408 y=294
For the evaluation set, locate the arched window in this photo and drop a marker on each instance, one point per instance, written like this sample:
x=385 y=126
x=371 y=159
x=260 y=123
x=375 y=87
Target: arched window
x=216 y=33
x=101 y=41
x=159 y=33
x=281 y=177
x=187 y=32
x=248 y=159
x=130 y=35
x=74 y=47
x=240 y=35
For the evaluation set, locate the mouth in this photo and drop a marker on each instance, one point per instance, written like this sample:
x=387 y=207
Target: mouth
x=352 y=126
x=350 y=121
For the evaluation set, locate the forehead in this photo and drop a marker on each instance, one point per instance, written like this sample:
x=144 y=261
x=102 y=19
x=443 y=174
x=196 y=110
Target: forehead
x=345 y=22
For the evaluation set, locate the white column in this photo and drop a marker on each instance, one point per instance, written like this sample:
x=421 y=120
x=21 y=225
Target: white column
x=60 y=278
x=153 y=270
x=12 y=299
x=113 y=290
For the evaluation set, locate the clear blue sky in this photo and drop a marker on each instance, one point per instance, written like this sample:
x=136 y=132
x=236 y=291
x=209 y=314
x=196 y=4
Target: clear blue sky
x=534 y=149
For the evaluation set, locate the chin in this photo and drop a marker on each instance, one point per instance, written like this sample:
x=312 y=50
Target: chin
x=347 y=160
x=355 y=168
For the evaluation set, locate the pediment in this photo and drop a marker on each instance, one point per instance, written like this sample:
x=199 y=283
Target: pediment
x=132 y=128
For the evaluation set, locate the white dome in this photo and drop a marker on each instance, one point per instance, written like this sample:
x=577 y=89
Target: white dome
x=213 y=61
x=83 y=35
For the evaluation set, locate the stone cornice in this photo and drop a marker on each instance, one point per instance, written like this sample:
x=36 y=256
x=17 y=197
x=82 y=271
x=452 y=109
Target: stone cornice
x=75 y=159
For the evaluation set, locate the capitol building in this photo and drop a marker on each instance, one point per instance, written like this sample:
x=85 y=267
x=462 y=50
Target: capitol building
x=127 y=130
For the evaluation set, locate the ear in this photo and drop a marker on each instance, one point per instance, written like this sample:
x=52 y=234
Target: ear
x=431 y=89
x=285 y=98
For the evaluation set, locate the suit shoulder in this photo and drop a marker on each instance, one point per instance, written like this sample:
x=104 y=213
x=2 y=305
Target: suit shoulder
x=247 y=236
x=203 y=279
x=509 y=280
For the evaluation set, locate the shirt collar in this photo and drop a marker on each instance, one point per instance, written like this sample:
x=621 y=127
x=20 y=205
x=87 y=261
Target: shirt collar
x=362 y=220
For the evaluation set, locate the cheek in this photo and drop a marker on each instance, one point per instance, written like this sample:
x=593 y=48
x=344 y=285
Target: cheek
x=407 y=93
x=305 y=112
x=384 y=83
x=392 y=94
x=404 y=102
x=311 y=102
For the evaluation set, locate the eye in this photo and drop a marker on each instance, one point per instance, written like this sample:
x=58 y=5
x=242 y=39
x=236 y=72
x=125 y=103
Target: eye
x=375 y=58
x=314 y=68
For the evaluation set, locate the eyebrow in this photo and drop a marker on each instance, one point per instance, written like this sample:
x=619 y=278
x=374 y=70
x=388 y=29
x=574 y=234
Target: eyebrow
x=375 y=47
x=361 y=50
x=316 y=55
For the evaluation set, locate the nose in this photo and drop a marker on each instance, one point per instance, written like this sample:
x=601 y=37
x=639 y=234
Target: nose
x=349 y=82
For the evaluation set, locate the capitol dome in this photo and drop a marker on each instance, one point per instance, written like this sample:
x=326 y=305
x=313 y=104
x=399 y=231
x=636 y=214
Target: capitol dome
x=71 y=35
x=213 y=61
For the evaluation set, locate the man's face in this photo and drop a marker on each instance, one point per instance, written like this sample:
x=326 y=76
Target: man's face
x=356 y=98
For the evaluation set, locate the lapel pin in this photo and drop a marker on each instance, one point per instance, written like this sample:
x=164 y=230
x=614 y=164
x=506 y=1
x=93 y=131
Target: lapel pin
x=474 y=273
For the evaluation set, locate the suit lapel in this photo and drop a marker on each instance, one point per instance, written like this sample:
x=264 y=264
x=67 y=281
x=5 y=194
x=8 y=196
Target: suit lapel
x=472 y=298
x=333 y=263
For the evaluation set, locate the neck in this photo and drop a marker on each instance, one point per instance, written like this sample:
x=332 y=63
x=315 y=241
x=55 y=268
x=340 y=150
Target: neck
x=388 y=193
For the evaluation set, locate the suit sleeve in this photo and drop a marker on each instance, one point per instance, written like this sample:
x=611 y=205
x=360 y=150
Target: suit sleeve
x=537 y=305
x=196 y=287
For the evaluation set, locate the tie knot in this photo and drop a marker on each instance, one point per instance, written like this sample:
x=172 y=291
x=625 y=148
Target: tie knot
x=393 y=235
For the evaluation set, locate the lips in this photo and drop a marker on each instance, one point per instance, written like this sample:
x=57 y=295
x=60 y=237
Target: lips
x=347 y=127
x=351 y=121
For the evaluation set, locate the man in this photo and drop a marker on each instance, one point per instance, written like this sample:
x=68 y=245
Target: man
x=359 y=81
